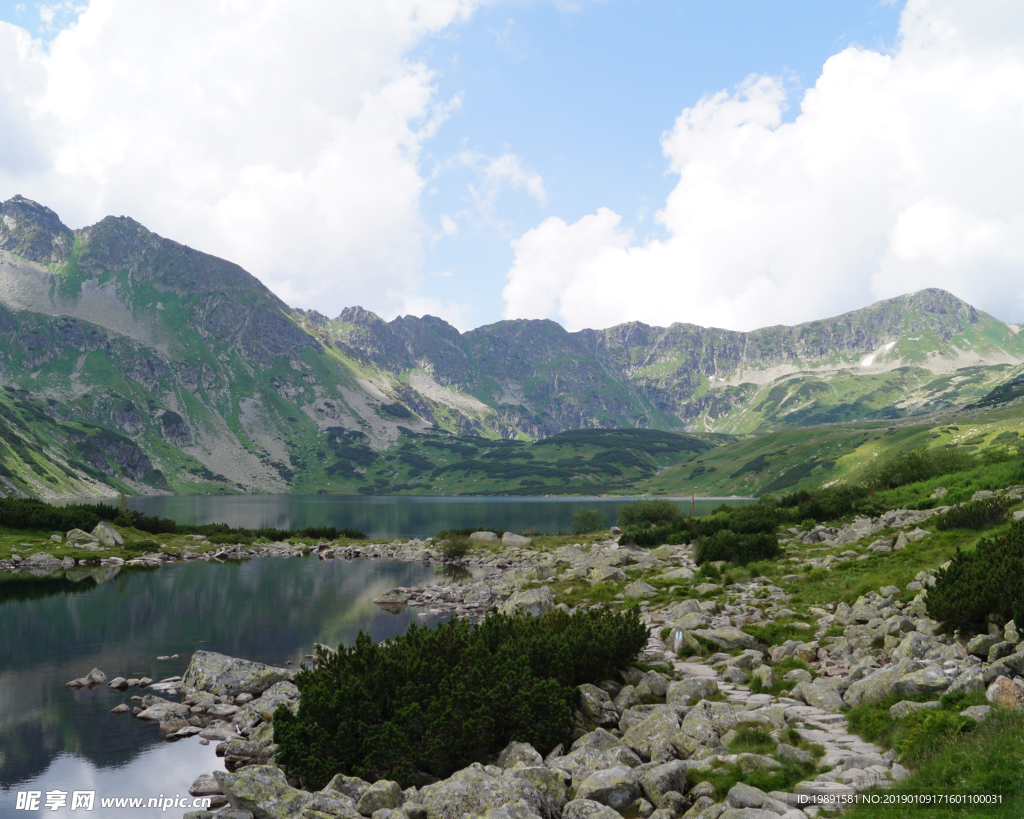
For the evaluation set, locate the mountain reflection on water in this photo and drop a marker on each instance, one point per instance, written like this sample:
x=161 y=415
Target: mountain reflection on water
x=59 y=626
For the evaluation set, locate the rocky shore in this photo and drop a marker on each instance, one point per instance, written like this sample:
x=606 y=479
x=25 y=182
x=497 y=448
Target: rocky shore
x=645 y=741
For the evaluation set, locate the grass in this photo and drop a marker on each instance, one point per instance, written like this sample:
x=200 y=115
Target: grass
x=987 y=760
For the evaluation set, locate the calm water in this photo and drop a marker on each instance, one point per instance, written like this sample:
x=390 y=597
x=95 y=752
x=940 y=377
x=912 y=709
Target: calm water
x=394 y=516
x=268 y=609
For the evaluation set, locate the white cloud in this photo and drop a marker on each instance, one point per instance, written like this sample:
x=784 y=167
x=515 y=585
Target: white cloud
x=285 y=137
x=900 y=171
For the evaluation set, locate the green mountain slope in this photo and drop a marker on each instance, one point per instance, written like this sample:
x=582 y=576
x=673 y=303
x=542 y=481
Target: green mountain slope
x=223 y=387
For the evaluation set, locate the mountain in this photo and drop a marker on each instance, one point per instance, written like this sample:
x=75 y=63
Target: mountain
x=201 y=379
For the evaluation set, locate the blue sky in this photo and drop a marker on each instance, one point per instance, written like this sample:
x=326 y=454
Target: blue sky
x=737 y=163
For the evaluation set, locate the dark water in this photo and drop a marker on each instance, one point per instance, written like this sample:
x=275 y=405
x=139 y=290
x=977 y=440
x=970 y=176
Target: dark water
x=268 y=609
x=395 y=516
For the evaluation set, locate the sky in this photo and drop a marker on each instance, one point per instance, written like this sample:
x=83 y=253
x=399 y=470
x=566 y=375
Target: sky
x=734 y=164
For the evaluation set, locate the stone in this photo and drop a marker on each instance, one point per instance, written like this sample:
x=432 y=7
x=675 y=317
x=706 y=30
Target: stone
x=552 y=784
x=798 y=675
x=1004 y=694
x=687 y=692
x=651 y=739
x=615 y=787
x=697 y=725
x=977 y=712
x=262 y=790
x=205 y=785
x=118 y=682
x=790 y=753
x=742 y=795
x=732 y=674
x=691 y=620
x=532 y=602
x=639 y=589
x=730 y=637
x=520 y=753
x=662 y=779
x=596 y=705
x=381 y=794
x=681 y=641
x=519 y=809
x=979 y=646
x=219 y=674
x=905 y=708
x=903 y=679
x=603 y=573
x=119 y=709
x=107 y=535
x=76 y=536
x=510 y=539
x=351 y=786
x=588 y=809
x=818 y=696
x=484 y=537
x=476 y=790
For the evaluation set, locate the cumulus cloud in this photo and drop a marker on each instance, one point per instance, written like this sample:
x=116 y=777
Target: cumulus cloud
x=285 y=137
x=899 y=171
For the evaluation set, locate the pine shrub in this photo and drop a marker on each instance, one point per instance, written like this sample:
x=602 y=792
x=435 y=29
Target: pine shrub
x=736 y=547
x=436 y=700
x=977 y=514
x=988 y=580
x=658 y=512
x=587 y=520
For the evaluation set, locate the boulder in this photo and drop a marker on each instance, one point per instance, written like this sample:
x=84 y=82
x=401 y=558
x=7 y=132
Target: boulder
x=588 y=809
x=663 y=779
x=790 y=753
x=381 y=794
x=533 y=602
x=40 y=560
x=351 y=786
x=687 y=692
x=484 y=537
x=510 y=539
x=107 y=535
x=519 y=809
x=219 y=674
x=729 y=637
x=691 y=620
x=639 y=589
x=818 y=696
x=520 y=753
x=76 y=536
x=652 y=738
x=596 y=705
x=616 y=787
x=742 y=795
x=552 y=784
x=603 y=573
x=765 y=676
x=476 y=790
x=264 y=791
x=904 y=708
x=904 y=679
x=1004 y=694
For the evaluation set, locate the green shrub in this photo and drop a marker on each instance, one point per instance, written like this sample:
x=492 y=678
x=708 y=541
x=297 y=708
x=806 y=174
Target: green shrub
x=649 y=536
x=436 y=700
x=140 y=545
x=456 y=547
x=986 y=581
x=658 y=512
x=587 y=520
x=736 y=548
x=920 y=465
x=978 y=514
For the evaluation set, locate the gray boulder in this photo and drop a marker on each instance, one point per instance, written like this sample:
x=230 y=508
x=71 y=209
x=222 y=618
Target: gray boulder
x=381 y=794
x=77 y=536
x=107 y=535
x=484 y=537
x=533 y=602
x=596 y=705
x=904 y=679
x=519 y=809
x=663 y=779
x=818 y=696
x=729 y=638
x=588 y=809
x=476 y=790
x=519 y=753
x=220 y=674
x=616 y=787
x=652 y=738
x=640 y=589
x=264 y=791
x=687 y=692
x=510 y=539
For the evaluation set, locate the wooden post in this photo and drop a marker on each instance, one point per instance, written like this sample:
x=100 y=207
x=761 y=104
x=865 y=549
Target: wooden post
x=693 y=506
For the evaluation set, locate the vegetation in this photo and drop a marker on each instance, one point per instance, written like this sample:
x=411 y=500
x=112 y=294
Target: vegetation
x=35 y=515
x=587 y=520
x=987 y=580
x=979 y=514
x=435 y=700
x=455 y=547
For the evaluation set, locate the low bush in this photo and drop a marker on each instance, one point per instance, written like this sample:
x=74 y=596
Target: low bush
x=587 y=520
x=741 y=549
x=987 y=580
x=658 y=512
x=456 y=547
x=140 y=545
x=920 y=465
x=978 y=514
x=436 y=700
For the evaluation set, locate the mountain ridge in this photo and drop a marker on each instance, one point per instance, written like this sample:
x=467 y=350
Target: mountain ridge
x=225 y=387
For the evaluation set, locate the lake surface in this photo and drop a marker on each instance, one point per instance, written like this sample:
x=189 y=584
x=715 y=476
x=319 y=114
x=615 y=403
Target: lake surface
x=393 y=516
x=58 y=628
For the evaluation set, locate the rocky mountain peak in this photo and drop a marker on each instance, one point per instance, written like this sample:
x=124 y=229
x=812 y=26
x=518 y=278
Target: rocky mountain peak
x=34 y=232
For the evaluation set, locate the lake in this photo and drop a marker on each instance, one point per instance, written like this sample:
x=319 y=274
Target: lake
x=57 y=628
x=394 y=516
